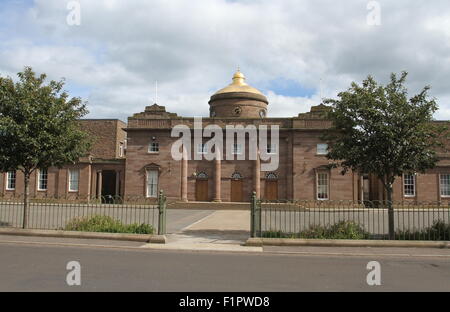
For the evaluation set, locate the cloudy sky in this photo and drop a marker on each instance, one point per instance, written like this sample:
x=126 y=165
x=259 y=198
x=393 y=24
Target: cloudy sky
x=192 y=48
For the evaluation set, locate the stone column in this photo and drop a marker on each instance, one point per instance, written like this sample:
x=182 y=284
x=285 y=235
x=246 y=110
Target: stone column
x=184 y=176
x=89 y=183
x=218 y=177
x=257 y=176
x=99 y=184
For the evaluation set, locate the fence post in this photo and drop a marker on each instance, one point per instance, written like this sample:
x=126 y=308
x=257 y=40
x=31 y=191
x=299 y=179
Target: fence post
x=255 y=218
x=252 y=214
x=162 y=213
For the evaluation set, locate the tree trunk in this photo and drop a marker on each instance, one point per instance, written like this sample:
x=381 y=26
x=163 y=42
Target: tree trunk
x=26 y=199
x=390 y=213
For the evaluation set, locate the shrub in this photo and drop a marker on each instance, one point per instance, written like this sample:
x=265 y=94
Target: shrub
x=340 y=230
x=106 y=224
x=439 y=231
x=347 y=230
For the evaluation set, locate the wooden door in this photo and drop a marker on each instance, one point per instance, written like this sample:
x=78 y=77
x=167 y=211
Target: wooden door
x=271 y=190
x=201 y=190
x=236 y=191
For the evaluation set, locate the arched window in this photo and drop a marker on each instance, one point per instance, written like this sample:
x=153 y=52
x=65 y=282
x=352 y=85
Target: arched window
x=237 y=176
x=202 y=176
x=271 y=176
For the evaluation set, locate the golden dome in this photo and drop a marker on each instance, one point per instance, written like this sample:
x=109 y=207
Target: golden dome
x=238 y=85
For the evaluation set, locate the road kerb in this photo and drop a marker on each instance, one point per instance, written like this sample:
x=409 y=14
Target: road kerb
x=343 y=243
x=146 y=238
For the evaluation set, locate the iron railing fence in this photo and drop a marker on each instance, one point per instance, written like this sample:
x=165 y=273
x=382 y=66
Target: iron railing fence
x=350 y=219
x=74 y=198
x=56 y=213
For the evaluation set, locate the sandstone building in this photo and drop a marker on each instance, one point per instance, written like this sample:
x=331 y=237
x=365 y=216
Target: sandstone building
x=135 y=160
x=99 y=173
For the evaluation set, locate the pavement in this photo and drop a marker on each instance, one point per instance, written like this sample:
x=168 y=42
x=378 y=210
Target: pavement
x=220 y=230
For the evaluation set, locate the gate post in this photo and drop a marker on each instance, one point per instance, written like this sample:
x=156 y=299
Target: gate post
x=161 y=213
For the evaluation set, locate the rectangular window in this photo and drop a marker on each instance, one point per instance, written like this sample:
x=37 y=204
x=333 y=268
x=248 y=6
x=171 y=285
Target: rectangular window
x=409 y=185
x=42 y=180
x=445 y=185
x=74 y=180
x=153 y=147
x=201 y=148
x=10 y=180
x=152 y=183
x=272 y=149
x=322 y=149
x=237 y=149
x=322 y=186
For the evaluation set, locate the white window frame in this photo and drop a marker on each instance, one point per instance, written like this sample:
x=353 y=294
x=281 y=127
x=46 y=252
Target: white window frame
x=322 y=149
x=9 y=178
x=237 y=149
x=153 y=147
x=202 y=149
x=71 y=171
x=121 y=150
x=440 y=185
x=318 y=185
x=39 y=180
x=413 y=184
x=149 y=187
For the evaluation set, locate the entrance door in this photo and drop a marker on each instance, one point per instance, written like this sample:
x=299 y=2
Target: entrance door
x=236 y=191
x=108 y=186
x=271 y=190
x=201 y=190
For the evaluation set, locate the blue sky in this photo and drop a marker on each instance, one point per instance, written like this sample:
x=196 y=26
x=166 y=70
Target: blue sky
x=192 y=48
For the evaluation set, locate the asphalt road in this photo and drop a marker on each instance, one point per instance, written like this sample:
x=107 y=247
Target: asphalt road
x=40 y=267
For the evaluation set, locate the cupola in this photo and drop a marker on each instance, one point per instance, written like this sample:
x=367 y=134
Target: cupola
x=238 y=100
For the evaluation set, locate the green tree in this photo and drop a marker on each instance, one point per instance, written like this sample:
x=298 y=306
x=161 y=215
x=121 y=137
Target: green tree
x=379 y=130
x=38 y=127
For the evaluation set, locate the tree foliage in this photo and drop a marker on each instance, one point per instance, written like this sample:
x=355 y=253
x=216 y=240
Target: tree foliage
x=38 y=127
x=38 y=124
x=379 y=130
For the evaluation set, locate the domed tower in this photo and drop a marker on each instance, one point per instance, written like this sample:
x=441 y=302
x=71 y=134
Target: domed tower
x=238 y=100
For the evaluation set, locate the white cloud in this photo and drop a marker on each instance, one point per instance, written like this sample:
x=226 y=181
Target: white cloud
x=193 y=47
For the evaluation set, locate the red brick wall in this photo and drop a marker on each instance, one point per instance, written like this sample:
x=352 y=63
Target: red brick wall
x=106 y=135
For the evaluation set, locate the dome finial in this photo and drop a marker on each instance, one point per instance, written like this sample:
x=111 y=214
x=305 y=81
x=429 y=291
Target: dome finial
x=239 y=78
x=238 y=85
